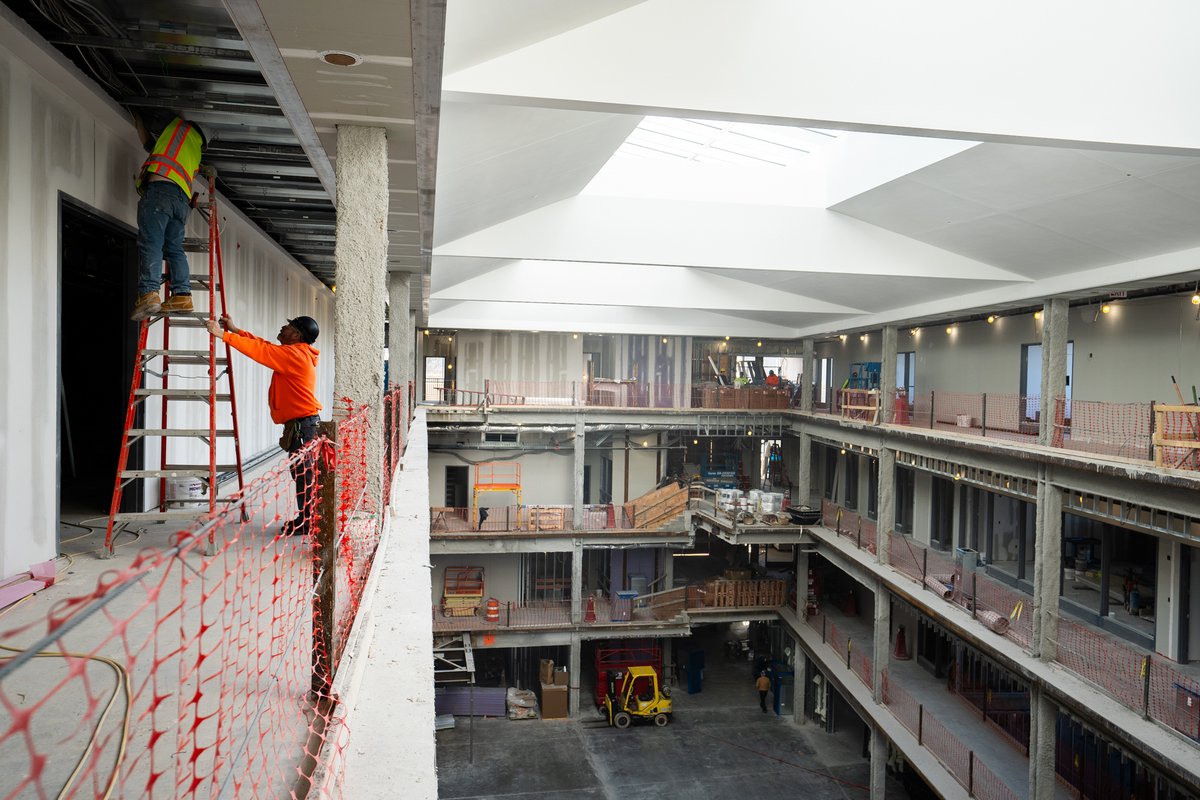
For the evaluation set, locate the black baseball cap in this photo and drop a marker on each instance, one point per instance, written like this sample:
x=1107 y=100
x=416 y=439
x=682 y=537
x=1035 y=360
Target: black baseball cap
x=307 y=326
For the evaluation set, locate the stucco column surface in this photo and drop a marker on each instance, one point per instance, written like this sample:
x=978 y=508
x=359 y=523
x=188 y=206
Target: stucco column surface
x=400 y=331
x=887 y=374
x=360 y=254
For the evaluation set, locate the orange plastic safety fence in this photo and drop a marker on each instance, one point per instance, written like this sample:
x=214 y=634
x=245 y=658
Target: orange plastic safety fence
x=1179 y=434
x=987 y=786
x=1117 y=668
x=1114 y=429
x=199 y=669
x=903 y=705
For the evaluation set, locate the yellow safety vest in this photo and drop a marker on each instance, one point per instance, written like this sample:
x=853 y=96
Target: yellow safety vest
x=176 y=155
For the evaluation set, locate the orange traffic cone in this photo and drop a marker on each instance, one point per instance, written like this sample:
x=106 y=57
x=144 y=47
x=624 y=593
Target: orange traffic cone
x=901 y=651
x=589 y=615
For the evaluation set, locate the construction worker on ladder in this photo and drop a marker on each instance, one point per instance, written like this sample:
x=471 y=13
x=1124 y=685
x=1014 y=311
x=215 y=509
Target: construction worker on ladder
x=165 y=186
x=291 y=397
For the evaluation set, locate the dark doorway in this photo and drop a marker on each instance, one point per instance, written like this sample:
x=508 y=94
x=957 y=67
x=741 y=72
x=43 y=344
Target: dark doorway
x=97 y=347
x=457 y=482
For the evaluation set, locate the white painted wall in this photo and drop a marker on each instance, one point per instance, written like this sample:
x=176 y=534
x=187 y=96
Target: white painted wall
x=59 y=133
x=545 y=477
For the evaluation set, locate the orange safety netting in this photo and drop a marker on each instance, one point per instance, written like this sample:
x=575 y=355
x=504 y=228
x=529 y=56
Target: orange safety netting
x=202 y=667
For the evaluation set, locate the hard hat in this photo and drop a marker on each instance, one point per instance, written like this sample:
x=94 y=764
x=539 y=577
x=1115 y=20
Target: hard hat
x=309 y=330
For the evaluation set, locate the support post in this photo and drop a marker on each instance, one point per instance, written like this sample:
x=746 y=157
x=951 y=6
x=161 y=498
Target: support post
x=577 y=582
x=804 y=476
x=573 y=659
x=578 y=473
x=1054 y=365
x=400 y=335
x=1042 y=723
x=879 y=757
x=361 y=257
x=881 y=643
x=932 y=416
x=885 y=523
x=808 y=377
x=324 y=562
x=983 y=417
x=1047 y=567
x=887 y=375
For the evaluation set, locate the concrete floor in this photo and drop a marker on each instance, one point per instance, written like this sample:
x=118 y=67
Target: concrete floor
x=719 y=745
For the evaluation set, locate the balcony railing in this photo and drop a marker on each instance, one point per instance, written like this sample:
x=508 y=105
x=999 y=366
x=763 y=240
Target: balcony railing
x=604 y=393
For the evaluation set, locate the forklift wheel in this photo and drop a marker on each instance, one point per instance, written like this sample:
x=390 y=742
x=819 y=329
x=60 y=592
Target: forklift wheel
x=622 y=719
x=661 y=720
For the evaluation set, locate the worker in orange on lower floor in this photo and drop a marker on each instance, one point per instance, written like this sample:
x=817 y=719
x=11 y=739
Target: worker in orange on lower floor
x=291 y=397
x=772 y=380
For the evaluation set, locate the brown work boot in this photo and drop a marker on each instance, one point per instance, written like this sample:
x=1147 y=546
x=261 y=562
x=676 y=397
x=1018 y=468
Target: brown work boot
x=177 y=304
x=146 y=305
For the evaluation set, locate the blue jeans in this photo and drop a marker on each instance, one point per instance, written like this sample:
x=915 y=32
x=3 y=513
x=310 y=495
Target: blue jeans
x=162 y=216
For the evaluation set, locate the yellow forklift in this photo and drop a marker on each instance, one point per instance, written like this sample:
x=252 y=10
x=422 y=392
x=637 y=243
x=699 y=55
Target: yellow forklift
x=637 y=695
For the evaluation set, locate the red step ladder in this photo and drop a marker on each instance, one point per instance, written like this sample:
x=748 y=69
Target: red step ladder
x=172 y=389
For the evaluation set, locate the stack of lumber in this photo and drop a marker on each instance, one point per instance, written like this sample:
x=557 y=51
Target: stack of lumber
x=745 y=594
x=655 y=509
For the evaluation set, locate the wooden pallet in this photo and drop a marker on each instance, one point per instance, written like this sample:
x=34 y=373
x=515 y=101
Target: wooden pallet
x=655 y=509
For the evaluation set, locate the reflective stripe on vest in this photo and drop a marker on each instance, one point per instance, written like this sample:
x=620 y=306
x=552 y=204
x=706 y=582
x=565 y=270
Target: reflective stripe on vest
x=169 y=157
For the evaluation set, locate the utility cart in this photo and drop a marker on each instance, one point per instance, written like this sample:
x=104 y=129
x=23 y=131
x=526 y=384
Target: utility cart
x=462 y=591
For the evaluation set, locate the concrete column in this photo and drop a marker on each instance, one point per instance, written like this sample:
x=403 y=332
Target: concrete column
x=804 y=476
x=360 y=254
x=799 y=683
x=887 y=374
x=400 y=366
x=1047 y=566
x=573 y=659
x=411 y=356
x=885 y=522
x=668 y=572
x=578 y=472
x=879 y=756
x=881 y=640
x=577 y=582
x=806 y=380
x=1042 y=723
x=668 y=675
x=1054 y=363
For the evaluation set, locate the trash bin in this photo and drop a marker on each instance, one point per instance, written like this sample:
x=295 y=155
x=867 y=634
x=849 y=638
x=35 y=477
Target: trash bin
x=622 y=606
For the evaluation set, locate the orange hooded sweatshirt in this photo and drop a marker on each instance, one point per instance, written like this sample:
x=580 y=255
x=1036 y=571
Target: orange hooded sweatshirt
x=294 y=382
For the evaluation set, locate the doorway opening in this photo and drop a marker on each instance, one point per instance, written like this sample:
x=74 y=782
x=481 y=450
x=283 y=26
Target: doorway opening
x=97 y=347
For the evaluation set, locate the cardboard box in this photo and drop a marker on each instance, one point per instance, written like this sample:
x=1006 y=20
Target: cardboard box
x=546 y=670
x=560 y=677
x=554 y=701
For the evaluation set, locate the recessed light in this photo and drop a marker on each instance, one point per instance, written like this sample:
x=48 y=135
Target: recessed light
x=340 y=58
x=759 y=344
x=1104 y=309
x=991 y=318
x=1037 y=315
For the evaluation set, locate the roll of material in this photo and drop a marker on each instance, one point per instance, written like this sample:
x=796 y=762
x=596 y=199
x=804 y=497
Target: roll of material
x=997 y=622
x=942 y=589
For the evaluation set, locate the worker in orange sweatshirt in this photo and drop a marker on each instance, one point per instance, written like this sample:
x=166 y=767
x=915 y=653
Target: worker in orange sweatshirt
x=291 y=397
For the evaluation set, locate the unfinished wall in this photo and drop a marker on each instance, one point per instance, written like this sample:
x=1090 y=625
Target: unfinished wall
x=501 y=574
x=545 y=476
x=1127 y=355
x=58 y=133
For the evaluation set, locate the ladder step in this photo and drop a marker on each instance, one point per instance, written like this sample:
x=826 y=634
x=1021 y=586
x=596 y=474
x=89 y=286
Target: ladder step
x=159 y=516
x=195 y=244
x=180 y=394
x=202 y=468
x=184 y=357
x=193 y=320
x=176 y=432
x=165 y=473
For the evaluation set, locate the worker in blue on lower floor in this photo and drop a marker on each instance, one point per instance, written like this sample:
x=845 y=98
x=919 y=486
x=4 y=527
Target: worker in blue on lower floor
x=165 y=184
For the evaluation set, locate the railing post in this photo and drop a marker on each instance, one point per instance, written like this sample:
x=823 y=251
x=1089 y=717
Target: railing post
x=858 y=536
x=849 y=643
x=1153 y=425
x=974 y=595
x=983 y=417
x=823 y=618
x=924 y=565
x=971 y=774
x=324 y=556
x=932 y=416
x=920 y=724
x=574 y=397
x=1146 y=688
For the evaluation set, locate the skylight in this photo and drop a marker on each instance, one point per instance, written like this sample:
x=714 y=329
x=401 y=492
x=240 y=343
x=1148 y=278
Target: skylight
x=717 y=142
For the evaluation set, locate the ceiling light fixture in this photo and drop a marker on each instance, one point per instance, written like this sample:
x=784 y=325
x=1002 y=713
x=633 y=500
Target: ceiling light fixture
x=950 y=330
x=664 y=340
x=914 y=331
x=727 y=338
x=991 y=319
x=1106 y=308
x=862 y=338
x=574 y=335
x=1037 y=315
x=759 y=344
x=340 y=58
x=842 y=337
x=426 y=332
x=843 y=451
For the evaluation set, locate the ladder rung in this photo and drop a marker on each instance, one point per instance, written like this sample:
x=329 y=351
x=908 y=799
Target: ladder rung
x=204 y=500
x=195 y=244
x=159 y=516
x=203 y=468
x=186 y=320
x=179 y=394
x=166 y=473
x=202 y=432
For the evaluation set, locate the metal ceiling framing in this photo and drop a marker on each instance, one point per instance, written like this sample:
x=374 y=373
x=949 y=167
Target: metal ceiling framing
x=198 y=64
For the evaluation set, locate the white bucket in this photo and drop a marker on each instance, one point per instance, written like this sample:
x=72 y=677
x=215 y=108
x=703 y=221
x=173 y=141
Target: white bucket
x=186 y=489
